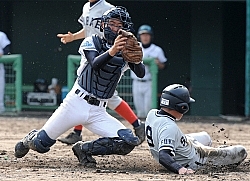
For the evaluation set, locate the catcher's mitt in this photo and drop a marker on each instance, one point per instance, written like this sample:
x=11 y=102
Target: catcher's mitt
x=131 y=52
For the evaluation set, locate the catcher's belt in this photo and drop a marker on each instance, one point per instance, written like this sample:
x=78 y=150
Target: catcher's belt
x=91 y=100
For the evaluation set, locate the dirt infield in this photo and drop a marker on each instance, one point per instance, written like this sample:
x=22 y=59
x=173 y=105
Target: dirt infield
x=60 y=163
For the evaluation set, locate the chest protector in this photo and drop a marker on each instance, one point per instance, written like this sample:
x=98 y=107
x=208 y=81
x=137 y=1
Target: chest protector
x=102 y=82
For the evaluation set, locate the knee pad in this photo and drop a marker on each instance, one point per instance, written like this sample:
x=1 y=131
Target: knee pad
x=41 y=142
x=128 y=136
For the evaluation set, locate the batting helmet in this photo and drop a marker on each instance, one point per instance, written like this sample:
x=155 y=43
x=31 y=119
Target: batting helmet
x=120 y=13
x=145 y=29
x=176 y=97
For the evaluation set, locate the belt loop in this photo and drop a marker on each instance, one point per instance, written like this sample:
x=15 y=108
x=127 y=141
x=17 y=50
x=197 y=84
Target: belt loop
x=77 y=91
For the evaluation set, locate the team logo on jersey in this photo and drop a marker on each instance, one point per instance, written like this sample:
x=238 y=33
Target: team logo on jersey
x=165 y=101
x=88 y=21
x=87 y=44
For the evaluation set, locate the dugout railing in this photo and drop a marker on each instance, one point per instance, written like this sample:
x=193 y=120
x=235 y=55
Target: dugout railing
x=125 y=85
x=13 y=82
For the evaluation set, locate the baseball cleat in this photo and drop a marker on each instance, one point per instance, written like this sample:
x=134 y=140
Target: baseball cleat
x=21 y=150
x=22 y=147
x=72 y=138
x=84 y=158
x=140 y=132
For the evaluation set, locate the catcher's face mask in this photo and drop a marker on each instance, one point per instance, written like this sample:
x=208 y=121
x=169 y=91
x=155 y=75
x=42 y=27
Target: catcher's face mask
x=115 y=25
x=111 y=29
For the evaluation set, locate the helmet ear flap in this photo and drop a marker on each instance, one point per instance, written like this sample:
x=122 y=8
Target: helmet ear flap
x=182 y=107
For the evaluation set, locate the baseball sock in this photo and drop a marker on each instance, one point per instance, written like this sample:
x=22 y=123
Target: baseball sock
x=126 y=112
x=78 y=129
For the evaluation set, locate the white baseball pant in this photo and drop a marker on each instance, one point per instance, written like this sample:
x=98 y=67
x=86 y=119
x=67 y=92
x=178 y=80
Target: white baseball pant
x=75 y=111
x=142 y=97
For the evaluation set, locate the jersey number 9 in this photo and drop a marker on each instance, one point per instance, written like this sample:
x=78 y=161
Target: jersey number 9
x=149 y=136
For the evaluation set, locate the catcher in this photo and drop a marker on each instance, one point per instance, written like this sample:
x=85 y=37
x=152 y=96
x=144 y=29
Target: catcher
x=93 y=10
x=86 y=102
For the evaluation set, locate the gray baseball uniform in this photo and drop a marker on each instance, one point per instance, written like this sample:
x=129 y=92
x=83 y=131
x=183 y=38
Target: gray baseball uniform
x=163 y=133
x=188 y=150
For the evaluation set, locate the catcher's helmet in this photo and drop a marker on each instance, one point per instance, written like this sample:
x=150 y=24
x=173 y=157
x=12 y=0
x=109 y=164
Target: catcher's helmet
x=119 y=13
x=176 y=97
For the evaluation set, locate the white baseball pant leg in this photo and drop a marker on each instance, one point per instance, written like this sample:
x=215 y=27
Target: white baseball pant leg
x=114 y=101
x=206 y=155
x=202 y=137
x=75 y=111
x=142 y=97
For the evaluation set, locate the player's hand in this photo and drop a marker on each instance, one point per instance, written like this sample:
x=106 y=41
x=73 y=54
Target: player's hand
x=160 y=65
x=184 y=170
x=119 y=43
x=66 y=38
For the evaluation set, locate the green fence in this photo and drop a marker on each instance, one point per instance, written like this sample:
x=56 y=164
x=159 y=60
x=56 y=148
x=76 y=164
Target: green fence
x=13 y=82
x=153 y=68
x=125 y=85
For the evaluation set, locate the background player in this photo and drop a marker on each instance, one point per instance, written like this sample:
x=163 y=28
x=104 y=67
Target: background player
x=4 y=50
x=86 y=102
x=142 y=87
x=180 y=153
x=92 y=10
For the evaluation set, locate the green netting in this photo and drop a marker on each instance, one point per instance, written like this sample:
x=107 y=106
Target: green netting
x=13 y=82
